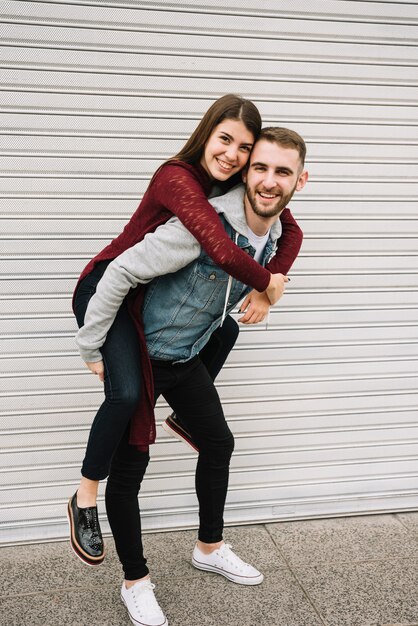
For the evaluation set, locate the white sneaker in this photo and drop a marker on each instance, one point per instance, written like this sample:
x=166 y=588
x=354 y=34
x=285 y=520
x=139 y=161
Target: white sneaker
x=142 y=605
x=225 y=562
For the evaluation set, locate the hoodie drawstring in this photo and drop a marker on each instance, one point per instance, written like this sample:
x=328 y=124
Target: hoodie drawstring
x=228 y=287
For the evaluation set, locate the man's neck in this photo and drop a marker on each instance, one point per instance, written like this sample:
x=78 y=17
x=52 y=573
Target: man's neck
x=259 y=225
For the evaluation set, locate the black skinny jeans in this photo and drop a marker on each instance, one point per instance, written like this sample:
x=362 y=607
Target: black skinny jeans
x=123 y=375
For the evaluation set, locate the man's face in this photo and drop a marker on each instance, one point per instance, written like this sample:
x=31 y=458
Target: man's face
x=273 y=175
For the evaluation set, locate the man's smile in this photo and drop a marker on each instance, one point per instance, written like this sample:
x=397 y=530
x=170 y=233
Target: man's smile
x=268 y=196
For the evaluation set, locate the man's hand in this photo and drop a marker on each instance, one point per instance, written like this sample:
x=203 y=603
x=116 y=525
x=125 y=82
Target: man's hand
x=256 y=306
x=276 y=287
x=97 y=368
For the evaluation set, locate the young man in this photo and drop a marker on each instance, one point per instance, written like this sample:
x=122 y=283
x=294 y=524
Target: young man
x=180 y=312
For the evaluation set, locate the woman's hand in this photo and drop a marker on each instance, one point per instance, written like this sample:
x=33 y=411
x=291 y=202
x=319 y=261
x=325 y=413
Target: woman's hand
x=256 y=306
x=276 y=287
x=97 y=367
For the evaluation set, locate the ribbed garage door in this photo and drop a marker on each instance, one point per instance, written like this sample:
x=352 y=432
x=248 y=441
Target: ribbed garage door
x=323 y=403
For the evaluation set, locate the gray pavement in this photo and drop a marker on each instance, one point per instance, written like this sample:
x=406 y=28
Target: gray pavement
x=349 y=571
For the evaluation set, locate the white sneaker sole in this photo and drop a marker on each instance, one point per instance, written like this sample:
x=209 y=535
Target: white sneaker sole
x=240 y=580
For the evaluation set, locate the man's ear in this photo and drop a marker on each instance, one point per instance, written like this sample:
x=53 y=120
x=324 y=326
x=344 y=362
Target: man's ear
x=302 y=180
x=244 y=175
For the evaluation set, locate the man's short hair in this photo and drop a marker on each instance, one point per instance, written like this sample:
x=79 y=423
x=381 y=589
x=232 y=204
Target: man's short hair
x=285 y=137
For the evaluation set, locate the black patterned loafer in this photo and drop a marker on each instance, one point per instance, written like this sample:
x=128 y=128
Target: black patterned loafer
x=85 y=534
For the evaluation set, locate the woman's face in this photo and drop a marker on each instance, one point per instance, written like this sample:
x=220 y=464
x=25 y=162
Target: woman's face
x=227 y=149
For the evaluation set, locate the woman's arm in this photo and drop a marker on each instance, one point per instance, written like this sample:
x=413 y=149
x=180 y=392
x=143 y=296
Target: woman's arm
x=179 y=190
x=288 y=245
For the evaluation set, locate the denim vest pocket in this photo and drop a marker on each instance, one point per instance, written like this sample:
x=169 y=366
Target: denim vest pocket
x=207 y=270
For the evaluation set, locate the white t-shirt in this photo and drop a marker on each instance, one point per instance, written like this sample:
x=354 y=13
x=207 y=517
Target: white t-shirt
x=258 y=243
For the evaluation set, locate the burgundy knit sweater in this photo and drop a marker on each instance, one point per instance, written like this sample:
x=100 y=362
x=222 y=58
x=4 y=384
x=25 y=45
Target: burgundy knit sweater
x=181 y=189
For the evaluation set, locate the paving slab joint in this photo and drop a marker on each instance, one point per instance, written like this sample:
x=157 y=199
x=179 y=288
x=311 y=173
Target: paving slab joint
x=298 y=581
x=414 y=533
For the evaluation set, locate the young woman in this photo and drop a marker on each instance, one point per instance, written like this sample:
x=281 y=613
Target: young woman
x=215 y=153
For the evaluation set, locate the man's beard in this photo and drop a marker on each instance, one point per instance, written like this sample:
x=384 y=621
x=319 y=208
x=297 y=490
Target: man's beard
x=274 y=210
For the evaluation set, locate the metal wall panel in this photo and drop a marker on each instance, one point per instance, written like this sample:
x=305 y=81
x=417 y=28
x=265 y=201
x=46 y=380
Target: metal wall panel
x=323 y=402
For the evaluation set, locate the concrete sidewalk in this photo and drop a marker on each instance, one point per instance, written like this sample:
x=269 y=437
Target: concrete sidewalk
x=353 y=571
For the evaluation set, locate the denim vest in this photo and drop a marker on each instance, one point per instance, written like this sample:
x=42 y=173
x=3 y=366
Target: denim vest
x=182 y=310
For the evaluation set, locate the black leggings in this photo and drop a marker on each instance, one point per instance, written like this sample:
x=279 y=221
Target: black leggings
x=190 y=391
x=123 y=375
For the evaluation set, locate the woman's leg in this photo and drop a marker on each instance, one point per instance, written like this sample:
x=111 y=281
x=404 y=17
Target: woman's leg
x=121 y=384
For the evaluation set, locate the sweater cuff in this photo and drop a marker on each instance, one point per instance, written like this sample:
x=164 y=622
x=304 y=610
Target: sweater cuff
x=90 y=356
x=263 y=283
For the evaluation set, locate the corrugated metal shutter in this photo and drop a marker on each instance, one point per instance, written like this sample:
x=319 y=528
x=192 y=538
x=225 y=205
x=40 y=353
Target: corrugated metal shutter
x=94 y=96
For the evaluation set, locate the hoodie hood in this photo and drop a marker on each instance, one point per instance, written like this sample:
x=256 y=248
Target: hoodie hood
x=231 y=205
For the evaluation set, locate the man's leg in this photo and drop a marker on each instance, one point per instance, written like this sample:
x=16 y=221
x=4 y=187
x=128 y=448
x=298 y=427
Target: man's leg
x=220 y=344
x=196 y=397
x=126 y=473
x=213 y=356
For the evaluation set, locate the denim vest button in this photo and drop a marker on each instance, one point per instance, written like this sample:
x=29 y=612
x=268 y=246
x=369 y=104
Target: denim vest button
x=212 y=276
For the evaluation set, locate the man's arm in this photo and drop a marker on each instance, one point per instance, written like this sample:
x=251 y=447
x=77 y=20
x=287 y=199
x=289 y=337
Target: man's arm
x=256 y=306
x=169 y=248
